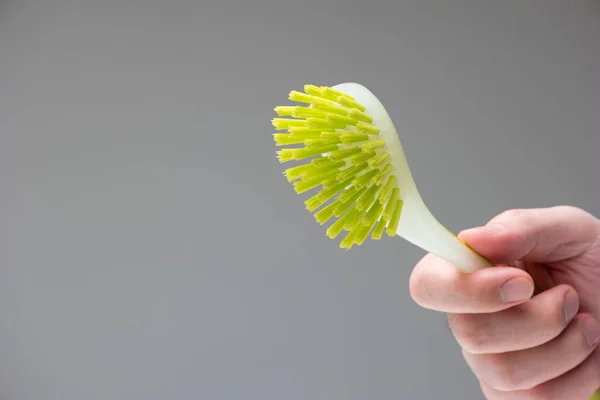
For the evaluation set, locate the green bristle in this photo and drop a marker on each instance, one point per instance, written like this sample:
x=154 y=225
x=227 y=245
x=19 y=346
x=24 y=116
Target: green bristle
x=394 y=221
x=373 y=145
x=368 y=198
x=386 y=191
x=350 y=173
x=389 y=208
x=345 y=206
x=379 y=161
x=363 y=127
x=379 y=229
x=360 y=158
x=307 y=152
x=345 y=153
x=326 y=213
x=365 y=178
x=349 y=138
x=311 y=182
x=383 y=174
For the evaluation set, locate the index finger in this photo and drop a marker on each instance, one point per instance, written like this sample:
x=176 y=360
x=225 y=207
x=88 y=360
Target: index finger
x=437 y=285
x=543 y=235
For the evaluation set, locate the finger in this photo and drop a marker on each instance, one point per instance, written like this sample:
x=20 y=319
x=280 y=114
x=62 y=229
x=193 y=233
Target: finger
x=543 y=235
x=438 y=285
x=524 y=326
x=525 y=369
x=577 y=384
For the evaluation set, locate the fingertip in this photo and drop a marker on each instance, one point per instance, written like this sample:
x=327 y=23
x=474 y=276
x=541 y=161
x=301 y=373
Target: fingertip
x=429 y=275
x=493 y=241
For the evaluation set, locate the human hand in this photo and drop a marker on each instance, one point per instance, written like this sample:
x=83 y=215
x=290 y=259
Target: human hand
x=528 y=327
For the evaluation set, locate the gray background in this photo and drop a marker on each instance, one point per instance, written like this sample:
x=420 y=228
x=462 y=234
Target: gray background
x=149 y=247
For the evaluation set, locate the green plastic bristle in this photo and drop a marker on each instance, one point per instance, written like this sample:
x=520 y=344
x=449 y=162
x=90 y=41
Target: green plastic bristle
x=345 y=153
x=389 y=208
x=393 y=224
x=380 y=160
x=284 y=123
x=320 y=123
x=349 y=103
x=334 y=136
x=335 y=139
x=348 y=204
x=350 y=173
x=367 y=199
x=352 y=219
x=312 y=181
x=324 y=196
x=283 y=139
x=308 y=132
x=349 y=194
x=324 y=214
x=383 y=174
x=348 y=138
x=373 y=145
x=365 y=179
x=338 y=226
x=297 y=172
x=307 y=152
x=360 y=158
x=336 y=92
x=314 y=90
x=379 y=229
x=285 y=155
x=363 y=127
x=386 y=191
x=348 y=241
x=317 y=142
x=331 y=182
x=357 y=114
x=285 y=111
x=372 y=215
x=330 y=108
x=319 y=162
x=341 y=120
x=306 y=112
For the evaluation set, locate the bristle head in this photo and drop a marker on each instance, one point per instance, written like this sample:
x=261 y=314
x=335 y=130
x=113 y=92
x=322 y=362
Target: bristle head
x=337 y=141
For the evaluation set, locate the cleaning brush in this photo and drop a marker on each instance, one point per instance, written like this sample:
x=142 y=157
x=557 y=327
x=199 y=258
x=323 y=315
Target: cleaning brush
x=346 y=144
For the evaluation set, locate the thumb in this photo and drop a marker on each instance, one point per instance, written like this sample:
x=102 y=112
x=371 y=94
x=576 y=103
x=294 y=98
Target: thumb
x=542 y=235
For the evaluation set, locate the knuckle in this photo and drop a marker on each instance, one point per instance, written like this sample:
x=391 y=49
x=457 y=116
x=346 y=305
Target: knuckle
x=515 y=214
x=500 y=373
x=552 y=314
x=468 y=332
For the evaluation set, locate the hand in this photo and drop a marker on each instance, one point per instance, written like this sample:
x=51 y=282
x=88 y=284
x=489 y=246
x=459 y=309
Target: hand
x=528 y=327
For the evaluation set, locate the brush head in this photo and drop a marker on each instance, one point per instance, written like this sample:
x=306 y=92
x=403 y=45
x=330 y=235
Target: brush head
x=338 y=148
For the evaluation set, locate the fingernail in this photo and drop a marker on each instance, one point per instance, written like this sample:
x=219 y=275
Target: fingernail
x=591 y=330
x=571 y=306
x=516 y=289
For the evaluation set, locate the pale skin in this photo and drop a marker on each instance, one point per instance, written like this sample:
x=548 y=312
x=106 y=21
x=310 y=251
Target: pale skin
x=529 y=326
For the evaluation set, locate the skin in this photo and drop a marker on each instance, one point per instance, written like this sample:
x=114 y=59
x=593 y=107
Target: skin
x=528 y=327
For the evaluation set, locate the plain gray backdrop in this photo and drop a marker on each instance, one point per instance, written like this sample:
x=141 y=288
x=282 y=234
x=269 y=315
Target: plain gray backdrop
x=149 y=246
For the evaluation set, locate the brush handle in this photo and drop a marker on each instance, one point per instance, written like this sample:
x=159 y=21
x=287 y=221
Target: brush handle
x=422 y=229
